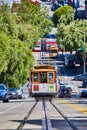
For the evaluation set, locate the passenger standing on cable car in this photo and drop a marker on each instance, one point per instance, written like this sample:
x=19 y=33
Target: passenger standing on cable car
x=57 y=84
x=29 y=86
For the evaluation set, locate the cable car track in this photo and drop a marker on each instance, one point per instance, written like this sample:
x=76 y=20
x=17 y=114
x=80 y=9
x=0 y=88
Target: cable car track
x=65 y=118
x=46 y=118
x=48 y=122
x=26 y=117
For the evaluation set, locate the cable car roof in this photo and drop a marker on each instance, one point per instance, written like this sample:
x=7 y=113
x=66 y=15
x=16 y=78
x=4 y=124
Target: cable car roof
x=43 y=68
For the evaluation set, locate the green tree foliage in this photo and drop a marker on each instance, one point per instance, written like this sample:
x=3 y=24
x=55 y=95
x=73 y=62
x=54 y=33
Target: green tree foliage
x=71 y=37
x=19 y=33
x=32 y=23
x=8 y=22
x=19 y=62
x=28 y=34
x=4 y=51
x=28 y=12
x=68 y=17
x=31 y=14
x=59 y=12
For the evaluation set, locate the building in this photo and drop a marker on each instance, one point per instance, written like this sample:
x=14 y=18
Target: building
x=9 y=2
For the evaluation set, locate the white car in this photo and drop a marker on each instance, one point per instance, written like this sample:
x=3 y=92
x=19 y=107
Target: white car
x=20 y=94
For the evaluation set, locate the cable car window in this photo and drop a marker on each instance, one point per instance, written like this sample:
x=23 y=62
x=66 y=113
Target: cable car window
x=43 y=77
x=50 y=76
x=35 y=77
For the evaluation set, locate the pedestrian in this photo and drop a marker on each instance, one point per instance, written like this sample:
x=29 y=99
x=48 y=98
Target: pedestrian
x=29 y=86
x=57 y=83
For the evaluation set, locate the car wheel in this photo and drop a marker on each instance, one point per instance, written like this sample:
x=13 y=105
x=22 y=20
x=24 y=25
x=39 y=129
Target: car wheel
x=6 y=100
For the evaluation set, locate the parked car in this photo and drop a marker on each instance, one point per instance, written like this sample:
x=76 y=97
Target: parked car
x=64 y=91
x=20 y=94
x=83 y=93
x=12 y=93
x=3 y=93
x=80 y=77
x=84 y=83
x=69 y=62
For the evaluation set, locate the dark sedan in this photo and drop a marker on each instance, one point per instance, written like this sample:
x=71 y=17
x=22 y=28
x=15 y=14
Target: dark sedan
x=84 y=83
x=83 y=93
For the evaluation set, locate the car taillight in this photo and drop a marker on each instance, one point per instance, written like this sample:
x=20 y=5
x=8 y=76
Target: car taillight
x=69 y=92
x=36 y=88
x=60 y=93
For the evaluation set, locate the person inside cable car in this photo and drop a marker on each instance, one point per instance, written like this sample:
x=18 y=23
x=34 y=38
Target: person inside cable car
x=43 y=77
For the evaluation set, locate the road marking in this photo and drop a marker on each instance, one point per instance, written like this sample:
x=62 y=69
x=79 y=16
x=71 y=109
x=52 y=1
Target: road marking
x=81 y=109
x=11 y=108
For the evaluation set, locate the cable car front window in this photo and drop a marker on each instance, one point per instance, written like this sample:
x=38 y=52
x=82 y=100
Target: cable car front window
x=43 y=77
x=50 y=77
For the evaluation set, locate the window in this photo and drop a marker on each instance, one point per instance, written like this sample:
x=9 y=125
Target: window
x=35 y=77
x=50 y=77
x=43 y=77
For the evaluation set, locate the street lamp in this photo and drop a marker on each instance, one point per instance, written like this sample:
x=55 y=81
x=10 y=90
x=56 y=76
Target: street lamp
x=84 y=69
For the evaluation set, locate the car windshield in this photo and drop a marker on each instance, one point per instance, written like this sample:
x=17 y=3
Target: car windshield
x=11 y=89
x=84 y=90
x=83 y=74
x=62 y=86
x=85 y=81
x=61 y=83
x=2 y=87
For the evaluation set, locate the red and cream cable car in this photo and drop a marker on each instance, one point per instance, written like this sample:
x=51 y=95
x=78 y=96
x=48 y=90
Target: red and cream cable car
x=43 y=82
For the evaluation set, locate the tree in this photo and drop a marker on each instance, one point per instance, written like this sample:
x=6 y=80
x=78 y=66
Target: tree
x=4 y=51
x=8 y=22
x=31 y=14
x=68 y=17
x=69 y=37
x=19 y=33
x=20 y=60
x=61 y=12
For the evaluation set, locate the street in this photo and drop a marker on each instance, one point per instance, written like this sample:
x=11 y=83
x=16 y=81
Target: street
x=61 y=113
x=16 y=113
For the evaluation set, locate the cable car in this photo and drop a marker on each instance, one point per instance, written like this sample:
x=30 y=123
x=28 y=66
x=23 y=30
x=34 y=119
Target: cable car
x=43 y=82
x=53 y=51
